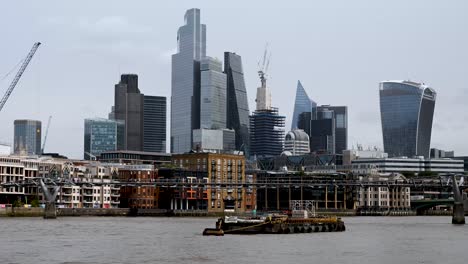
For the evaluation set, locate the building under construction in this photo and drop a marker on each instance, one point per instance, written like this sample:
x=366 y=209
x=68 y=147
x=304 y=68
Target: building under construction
x=266 y=133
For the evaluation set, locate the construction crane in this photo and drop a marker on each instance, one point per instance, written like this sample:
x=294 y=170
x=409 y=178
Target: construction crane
x=263 y=66
x=19 y=74
x=46 y=133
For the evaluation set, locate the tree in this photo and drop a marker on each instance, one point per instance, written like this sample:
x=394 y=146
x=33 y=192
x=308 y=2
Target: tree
x=35 y=202
x=18 y=203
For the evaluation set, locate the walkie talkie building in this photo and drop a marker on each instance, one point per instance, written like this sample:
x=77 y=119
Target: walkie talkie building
x=407 y=110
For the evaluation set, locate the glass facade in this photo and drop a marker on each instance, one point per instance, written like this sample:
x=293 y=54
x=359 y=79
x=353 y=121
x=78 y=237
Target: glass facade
x=237 y=103
x=185 y=92
x=407 y=110
x=302 y=104
x=27 y=137
x=212 y=94
x=154 y=124
x=100 y=135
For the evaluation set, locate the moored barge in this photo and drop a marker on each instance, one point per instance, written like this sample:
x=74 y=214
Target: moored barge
x=276 y=224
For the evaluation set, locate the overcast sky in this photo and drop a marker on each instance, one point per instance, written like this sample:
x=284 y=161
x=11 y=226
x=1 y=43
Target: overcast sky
x=340 y=50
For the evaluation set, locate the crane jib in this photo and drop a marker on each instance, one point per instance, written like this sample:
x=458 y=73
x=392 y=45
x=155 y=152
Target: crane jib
x=19 y=74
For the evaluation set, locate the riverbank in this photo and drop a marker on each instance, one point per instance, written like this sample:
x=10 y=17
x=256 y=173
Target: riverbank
x=119 y=212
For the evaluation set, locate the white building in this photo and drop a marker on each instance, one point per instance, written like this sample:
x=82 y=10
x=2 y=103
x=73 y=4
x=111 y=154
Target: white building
x=416 y=165
x=17 y=169
x=353 y=154
x=297 y=142
x=384 y=197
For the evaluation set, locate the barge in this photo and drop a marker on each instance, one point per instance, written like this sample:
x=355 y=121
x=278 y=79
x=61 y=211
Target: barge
x=276 y=224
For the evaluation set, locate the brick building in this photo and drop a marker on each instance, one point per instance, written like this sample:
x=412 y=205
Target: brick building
x=231 y=195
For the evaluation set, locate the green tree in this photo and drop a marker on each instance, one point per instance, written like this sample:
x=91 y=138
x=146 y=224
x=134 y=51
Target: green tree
x=35 y=202
x=18 y=203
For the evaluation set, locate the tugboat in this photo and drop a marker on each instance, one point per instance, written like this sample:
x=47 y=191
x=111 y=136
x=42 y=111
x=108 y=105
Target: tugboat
x=297 y=221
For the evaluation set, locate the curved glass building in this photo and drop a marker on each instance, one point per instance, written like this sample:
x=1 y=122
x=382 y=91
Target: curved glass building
x=407 y=110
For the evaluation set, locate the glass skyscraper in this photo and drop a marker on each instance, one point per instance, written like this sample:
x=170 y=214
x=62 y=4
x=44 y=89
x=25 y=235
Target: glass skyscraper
x=302 y=104
x=185 y=97
x=27 y=137
x=407 y=110
x=100 y=135
x=212 y=94
x=237 y=103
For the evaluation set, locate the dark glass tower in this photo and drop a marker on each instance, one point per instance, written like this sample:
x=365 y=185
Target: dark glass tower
x=185 y=97
x=143 y=117
x=407 y=110
x=128 y=107
x=237 y=103
x=266 y=133
x=27 y=137
x=154 y=124
x=302 y=104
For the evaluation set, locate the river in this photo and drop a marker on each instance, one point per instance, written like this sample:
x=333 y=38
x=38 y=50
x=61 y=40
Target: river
x=178 y=240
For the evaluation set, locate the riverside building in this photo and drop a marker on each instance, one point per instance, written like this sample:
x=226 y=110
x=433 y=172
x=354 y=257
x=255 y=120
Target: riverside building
x=214 y=168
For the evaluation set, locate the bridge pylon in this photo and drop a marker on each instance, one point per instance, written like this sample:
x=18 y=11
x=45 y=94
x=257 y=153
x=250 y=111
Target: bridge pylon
x=50 y=211
x=458 y=217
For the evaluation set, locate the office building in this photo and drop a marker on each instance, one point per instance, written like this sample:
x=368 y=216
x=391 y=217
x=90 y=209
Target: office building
x=302 y=104
x=340 y=114
x=217 y=140
x=212 y=94
x=185 y=92
x=407 y=110
x=143 y=117
x=27 y=137
x=237 y=117
x=266 y=133
x=101 y=135
x=154 y=124
x=322 y=131
x=128 y=107
x=414 y=165
x=296 y=142
x=440 y=154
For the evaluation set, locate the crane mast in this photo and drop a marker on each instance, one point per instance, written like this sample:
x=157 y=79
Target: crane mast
x=46 y=133
x=19 y=74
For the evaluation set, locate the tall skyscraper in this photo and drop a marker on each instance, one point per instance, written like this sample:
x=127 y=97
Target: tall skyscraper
x=407 y=110
x=154 y=123
x=27 y=137
x=128 y=107
x=101 y=135
x=143 y=116
x=212 y=94
x=263 y=98
x=266 y=133
x=237 y=103
x=185 y=97
x=302 y=104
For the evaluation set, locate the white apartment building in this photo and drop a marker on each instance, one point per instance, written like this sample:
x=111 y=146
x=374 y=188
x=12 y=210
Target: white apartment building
x=384 y=197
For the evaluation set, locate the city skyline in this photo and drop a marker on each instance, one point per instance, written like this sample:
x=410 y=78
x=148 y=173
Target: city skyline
x=51 y=85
